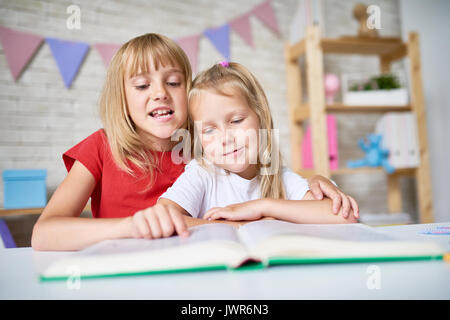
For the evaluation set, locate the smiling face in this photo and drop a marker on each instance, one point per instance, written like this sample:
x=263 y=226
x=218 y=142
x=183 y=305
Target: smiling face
x=228 y=129
x=157 y=103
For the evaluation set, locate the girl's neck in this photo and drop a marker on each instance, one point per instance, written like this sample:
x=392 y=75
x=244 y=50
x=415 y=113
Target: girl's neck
x=157 y=144
x=249 y=173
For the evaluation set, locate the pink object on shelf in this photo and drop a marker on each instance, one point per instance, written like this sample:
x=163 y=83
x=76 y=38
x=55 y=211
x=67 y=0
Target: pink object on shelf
x=331 y=85
x=307 y=156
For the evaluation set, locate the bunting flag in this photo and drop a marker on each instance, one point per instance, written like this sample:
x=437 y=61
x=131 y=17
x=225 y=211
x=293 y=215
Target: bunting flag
x=266 y=15
x=241 y=26
x=107 y=51
x=19 y=48
x=68 y=55
x=190 y=46
x=220 y=38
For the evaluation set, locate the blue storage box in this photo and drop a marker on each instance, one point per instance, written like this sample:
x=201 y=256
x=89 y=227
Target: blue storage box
x=24 y=189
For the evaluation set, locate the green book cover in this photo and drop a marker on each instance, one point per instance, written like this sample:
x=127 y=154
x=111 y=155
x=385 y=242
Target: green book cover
x=254 y=246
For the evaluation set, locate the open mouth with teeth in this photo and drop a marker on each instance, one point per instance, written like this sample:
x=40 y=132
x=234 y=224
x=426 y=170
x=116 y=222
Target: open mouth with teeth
x=161 y=113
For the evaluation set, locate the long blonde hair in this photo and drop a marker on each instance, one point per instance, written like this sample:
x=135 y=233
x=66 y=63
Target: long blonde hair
x=235 y=78
x=125 y=143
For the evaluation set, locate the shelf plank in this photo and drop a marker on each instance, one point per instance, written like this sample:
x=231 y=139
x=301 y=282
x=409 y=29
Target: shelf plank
x=306 y=173
x=368 y=170
x=338 y=107
x=364 y=46
x=301 y=113
x=391 y=48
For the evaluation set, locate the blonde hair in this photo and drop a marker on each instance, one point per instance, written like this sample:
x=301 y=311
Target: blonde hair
x=235 y=78
x=132 y=58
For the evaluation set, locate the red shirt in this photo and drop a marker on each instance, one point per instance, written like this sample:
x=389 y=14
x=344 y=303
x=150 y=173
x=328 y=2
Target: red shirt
x=118 y=194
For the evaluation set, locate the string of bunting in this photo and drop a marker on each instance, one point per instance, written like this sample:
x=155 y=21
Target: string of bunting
x=19 y=47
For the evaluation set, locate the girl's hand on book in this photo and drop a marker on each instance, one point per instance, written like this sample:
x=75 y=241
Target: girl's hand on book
x=321 y=186
x=250 y=210
x=158 y=221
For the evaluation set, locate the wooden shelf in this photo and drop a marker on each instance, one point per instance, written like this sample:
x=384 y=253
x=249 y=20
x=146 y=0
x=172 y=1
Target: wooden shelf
x=403 y=171
x=313 y=47
x=302 y=113
x=306 y=173
x=365 y=46
x=392 y=48
x=345 y=108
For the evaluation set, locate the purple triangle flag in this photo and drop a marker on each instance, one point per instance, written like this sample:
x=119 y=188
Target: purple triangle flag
x=265 y=13
x=220 y=38
x=190 y=46
x=68 y=55
x=19 y=48
x=241 y=25
x=107 y=51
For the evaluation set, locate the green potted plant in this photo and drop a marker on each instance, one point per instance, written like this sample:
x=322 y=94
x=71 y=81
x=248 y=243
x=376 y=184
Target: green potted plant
x=382 y=90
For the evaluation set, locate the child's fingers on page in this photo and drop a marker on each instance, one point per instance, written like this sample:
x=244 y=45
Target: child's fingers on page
x=179 y=223
x=208 y=213
x=141 y=225
x=153 y=222
x=315 y=190
x=165 y=221
x=345 y=205
x=354 y=207
x=337 y=200
x=222 y=213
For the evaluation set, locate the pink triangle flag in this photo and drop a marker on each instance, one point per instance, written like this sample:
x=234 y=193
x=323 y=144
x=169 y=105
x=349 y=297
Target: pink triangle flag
x=107 y=51
x=265 y=13
x=190 y=46
x=19 y=48
x=241 y=25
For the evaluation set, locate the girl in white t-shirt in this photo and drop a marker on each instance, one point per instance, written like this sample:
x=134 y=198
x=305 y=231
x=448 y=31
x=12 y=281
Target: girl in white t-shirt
x=237 y=172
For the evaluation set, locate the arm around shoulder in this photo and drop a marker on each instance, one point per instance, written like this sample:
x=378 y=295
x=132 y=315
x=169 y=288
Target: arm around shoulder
x=306 y=210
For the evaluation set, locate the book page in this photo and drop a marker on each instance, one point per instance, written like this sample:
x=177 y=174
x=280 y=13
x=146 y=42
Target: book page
x=200 y=233
x=251 y=234
x=274 y=238
x=208 y=245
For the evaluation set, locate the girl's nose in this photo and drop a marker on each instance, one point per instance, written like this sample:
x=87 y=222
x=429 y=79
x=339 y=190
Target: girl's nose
x=227 y=137
x=159 y=93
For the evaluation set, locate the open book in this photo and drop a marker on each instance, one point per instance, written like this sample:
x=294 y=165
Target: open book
x=256 y=244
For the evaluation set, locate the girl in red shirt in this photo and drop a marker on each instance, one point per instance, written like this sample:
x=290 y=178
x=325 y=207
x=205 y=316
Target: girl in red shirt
x=127 y=165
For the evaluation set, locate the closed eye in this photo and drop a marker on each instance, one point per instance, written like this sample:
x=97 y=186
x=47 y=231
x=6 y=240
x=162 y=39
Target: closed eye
x=142 y=87
x=174 y=84
x=237 y=120
x=208 y=130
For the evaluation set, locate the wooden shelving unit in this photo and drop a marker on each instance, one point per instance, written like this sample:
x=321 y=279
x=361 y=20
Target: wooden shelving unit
x=388 y=50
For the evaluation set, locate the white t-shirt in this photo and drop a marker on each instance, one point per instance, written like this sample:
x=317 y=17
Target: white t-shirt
x=197 y=190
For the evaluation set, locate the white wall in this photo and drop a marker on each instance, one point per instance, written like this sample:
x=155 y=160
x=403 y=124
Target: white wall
x=40 y=118
x=430 y=19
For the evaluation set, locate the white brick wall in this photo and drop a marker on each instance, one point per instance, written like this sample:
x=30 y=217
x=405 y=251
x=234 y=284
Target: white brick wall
x=40 y=118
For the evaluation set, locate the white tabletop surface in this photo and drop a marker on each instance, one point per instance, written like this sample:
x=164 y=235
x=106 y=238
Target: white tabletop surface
x=397 y=280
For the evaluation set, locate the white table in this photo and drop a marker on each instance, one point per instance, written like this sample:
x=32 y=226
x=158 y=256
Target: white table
x=398 y=280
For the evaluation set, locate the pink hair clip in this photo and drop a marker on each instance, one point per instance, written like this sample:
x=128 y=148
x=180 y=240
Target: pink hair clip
x=224 y=64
